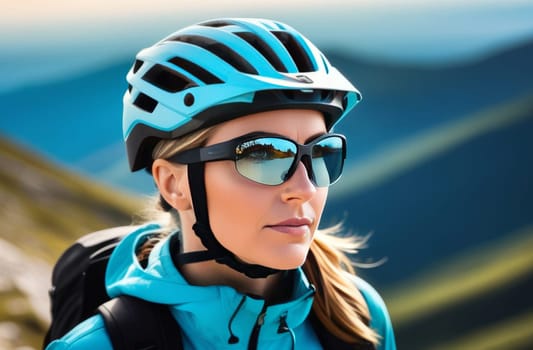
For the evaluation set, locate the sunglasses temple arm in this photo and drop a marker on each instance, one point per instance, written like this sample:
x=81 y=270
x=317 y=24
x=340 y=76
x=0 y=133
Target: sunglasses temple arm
x=204 y=154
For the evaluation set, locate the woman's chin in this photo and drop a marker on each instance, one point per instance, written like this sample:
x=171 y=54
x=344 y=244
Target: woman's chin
x=285 y=263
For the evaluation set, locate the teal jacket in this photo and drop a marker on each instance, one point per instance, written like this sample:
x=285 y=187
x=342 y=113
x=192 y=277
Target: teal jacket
x=209 y=315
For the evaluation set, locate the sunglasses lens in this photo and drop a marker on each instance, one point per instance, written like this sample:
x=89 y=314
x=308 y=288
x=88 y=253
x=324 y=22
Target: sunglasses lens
x=268 y=160
x=327 y=160
x=265 y=160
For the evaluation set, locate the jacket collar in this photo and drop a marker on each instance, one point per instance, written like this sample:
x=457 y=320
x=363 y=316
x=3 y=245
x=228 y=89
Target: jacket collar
x=213 y=313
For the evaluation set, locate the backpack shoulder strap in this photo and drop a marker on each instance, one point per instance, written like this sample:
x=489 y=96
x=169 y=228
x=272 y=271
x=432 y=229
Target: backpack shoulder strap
x=135 y=324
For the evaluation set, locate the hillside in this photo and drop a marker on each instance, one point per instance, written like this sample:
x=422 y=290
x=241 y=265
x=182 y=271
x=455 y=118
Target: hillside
x=43 y=209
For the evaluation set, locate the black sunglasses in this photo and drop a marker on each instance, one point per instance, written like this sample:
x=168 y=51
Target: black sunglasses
x=271 y=159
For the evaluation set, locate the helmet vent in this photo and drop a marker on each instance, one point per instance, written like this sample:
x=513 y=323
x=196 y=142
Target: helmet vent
x=327 y=95
x=167 y=79
x=263 y=48
x=145 y=103
x=138 y=64
x=218 y=49
x=298 y=54
x=195 y=70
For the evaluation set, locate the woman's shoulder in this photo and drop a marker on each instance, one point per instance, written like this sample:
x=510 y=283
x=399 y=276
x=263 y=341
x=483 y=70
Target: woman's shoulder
x=375 y=302
x=379 y=316
x=88 y=335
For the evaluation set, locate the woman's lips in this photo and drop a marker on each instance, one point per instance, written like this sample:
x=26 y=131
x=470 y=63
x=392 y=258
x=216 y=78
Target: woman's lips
x=293 y=226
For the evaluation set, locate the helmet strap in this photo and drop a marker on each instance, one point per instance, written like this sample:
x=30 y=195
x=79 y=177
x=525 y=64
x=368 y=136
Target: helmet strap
x=202 y=228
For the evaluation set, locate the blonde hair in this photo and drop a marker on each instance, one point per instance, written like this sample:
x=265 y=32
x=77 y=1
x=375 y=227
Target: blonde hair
x=338 y=304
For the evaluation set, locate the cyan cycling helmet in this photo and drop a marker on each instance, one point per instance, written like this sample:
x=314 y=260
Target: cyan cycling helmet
x=222 y=69
x=216 y=71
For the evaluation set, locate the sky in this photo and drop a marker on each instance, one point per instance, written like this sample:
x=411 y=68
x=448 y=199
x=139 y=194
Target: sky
x=43 y=40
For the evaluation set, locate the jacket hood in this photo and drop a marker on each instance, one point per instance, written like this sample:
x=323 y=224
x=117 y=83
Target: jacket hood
x=158 y=281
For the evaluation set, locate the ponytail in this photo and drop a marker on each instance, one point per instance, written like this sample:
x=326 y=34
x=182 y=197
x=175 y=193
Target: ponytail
x=338 y=305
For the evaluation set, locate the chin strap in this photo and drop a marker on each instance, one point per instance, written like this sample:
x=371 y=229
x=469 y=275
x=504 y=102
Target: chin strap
x=215 y=250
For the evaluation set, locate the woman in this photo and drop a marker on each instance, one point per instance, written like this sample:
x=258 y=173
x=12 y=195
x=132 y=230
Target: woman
x=233 y=118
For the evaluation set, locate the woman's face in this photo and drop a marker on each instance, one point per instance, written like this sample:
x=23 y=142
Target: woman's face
x=267 y=225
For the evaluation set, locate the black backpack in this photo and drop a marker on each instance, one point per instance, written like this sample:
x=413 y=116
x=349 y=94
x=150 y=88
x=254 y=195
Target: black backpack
x=78 y=292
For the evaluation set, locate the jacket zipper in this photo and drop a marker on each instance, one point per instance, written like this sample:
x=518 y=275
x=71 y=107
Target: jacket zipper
x=254 y=337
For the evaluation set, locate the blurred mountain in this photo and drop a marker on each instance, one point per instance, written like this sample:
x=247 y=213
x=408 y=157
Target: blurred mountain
x=44 y=208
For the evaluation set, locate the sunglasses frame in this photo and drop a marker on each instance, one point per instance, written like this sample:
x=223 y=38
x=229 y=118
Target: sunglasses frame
x=227 y=150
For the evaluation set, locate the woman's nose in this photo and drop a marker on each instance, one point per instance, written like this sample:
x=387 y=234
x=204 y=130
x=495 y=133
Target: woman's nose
x=299 y=185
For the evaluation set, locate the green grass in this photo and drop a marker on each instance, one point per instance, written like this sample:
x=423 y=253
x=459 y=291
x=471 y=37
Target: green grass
x=16 y=314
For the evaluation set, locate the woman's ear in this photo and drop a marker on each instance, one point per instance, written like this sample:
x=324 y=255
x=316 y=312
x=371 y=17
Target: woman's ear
x=172 y=182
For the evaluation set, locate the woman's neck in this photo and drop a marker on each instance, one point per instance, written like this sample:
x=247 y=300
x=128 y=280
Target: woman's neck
x=212 y=273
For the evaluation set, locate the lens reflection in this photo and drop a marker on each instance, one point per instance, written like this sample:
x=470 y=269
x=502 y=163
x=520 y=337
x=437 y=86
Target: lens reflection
x=265 y=160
